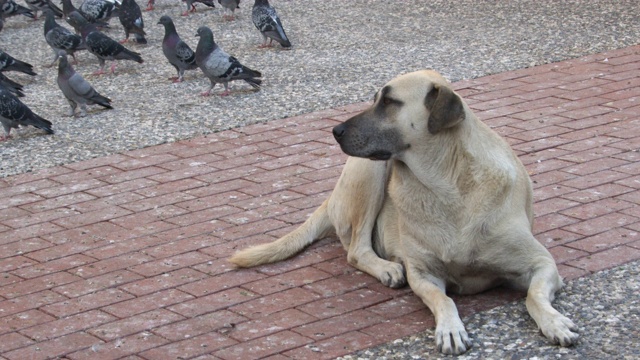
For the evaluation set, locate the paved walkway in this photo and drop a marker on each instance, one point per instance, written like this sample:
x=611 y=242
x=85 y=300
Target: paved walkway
x=125 y=255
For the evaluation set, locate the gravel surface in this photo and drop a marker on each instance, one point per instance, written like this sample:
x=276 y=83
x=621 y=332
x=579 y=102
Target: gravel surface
x=605 y=307
x=342 y=52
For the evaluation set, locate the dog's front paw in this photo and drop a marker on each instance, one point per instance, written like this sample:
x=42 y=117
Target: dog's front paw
x=452 y=338
x=560 y=330
x=393 y=275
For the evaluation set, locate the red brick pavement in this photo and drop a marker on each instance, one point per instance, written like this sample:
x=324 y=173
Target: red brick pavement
x=125 y=255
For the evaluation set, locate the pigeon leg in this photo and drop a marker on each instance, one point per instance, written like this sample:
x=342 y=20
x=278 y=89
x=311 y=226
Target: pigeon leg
x=7 y=131
x=83 y=110
x=226 y=91
x=75 y=61
x=149 y=5
x=101 y=71
x=208 y=92
x=113 y=67
x=179 y=78
x=264 y=42
x=123 y=41
x=73 y=106
x=55 y=58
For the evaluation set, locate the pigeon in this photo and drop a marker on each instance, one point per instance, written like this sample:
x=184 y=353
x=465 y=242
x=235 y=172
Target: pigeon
x=266 y=19
x=68 y=9
x=130 y=17
x=229 y=5
x=60 y=38
x=10 y=8
x=177 y=51
x=100 y=45
x=14 y=113
x=13 y=87
x=191 y=7
x=77 y=90
x=98 y=10
x=8 y=63
x=219 y=66
x=41 y=5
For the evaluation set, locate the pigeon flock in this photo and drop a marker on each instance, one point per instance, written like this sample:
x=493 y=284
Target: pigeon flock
x=88 y=22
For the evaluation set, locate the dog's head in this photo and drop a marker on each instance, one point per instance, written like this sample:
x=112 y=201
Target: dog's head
x=406 y=110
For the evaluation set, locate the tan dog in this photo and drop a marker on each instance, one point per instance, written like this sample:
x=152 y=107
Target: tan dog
x=451 y=206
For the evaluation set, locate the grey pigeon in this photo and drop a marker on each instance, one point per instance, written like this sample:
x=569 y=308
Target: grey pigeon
x=42 y=5
x=219 y=66
x=60 y=38
x=266 y=19
x=177 y=51
x=10 y=8
x=130 y=17
x=98 y=10
x=13 y=87
x=68 y=9
x=77 y=90
x=8 y=63
x=229 y=6
x=100 y=45
x=13 y=113
x=191 y=7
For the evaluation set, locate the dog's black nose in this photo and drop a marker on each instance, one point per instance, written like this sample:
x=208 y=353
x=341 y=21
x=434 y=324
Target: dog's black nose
x=338 y=131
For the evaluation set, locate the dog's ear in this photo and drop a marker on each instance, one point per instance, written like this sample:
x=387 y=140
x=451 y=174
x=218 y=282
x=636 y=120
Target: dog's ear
x=445 y=109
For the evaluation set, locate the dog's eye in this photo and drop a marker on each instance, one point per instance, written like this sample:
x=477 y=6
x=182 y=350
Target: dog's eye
x=387 y=101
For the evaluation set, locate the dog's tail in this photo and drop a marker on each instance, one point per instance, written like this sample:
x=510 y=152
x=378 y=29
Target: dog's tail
x=317 y=226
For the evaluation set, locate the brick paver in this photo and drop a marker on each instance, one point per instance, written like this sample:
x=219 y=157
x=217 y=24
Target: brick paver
x=125 y=255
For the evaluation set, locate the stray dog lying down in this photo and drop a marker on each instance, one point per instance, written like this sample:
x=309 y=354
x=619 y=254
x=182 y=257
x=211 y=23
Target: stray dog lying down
x=432 y=197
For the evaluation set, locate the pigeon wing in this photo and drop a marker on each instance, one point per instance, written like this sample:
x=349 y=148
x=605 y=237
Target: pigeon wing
x=185 y=55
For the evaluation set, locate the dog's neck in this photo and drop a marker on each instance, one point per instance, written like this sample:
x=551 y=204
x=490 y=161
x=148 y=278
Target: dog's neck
x=450 y=161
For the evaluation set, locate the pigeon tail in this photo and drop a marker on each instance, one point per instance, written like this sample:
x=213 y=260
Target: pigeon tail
x=11 y=86
x=209 y=3
x=40 y=123
x=103 y=101
x=21 y=66
x=127 y=54
x=140 y=39
x=255 y=83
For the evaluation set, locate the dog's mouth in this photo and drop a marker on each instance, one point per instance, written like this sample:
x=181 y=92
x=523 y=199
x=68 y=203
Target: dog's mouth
x=379 y=155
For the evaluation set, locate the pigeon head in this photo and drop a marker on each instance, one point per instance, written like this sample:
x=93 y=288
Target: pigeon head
x=62 y=57
x=165 y=20
x=76 y=19
x=205 y=33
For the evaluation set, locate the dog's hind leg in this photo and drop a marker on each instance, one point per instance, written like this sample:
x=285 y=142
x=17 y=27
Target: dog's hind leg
x=545 y=281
